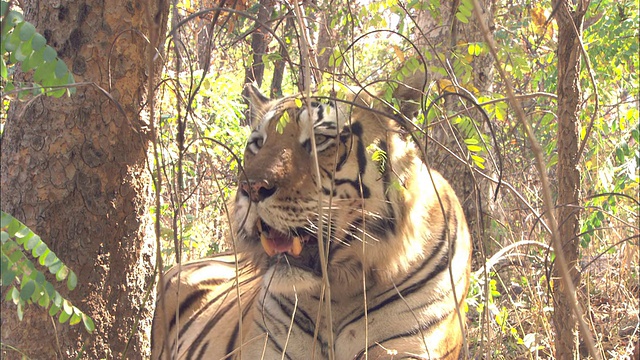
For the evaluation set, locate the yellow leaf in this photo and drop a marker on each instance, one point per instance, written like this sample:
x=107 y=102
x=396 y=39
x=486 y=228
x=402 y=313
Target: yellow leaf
x=538 y=17
x=399 y=52
x=445 y=85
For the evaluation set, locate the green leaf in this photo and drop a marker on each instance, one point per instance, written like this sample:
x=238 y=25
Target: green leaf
x=20 y=311
x=44 y=73
x=282 y=122
x=16 y=255
x=8 y=295
x=27 y=290
x=62 y=273
x=50 y=259
x=64 y=316
x=478 y=161
x=27 y=30
x=57 y=265
x=50 y=54
x=57 y=299
x=40 y=280
x=54 y=309
x=12 y=41
x=75 y=318
x=43 y=257
x=48 y=287
x=36 y=59
x=57 y=93
x=15 y=295
x=14 y=17
x=4 y=73
x=61 y=70
x=462 y=18
x=44 y=300
x=88 y=323
x=23 y=232
x=39 y=250
x=8 y=275
x=13 y=225
x=67 y=307
x=72 y=280
x=23 y=239
x=38 y=42
x=32 y=243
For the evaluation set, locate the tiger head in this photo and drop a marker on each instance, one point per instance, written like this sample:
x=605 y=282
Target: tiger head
x=352 y=203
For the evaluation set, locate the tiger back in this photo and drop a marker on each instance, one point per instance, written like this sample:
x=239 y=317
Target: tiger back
x=390 y=231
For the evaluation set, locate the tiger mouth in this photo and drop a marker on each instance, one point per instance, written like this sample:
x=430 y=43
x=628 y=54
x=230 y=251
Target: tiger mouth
x=297 y=248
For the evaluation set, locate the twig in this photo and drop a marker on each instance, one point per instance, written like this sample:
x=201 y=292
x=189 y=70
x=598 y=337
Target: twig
x=305 y=60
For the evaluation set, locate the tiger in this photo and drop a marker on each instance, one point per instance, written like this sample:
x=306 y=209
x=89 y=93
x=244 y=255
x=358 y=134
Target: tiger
x=347 y=246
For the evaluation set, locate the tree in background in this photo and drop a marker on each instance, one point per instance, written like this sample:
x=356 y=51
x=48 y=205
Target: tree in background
x=76 y=171
x=570 y=20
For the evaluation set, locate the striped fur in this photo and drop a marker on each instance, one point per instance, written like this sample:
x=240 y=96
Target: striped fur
x=397 y=241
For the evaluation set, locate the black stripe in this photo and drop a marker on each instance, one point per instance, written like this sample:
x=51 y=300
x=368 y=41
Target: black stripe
x=301 y=318
x=277 y=346
x=186 y=304
x=202 y=350
x=404 y=335
x=231 y=345
x=214 y=320
x=361 y=155
x=184 y=272
x=204 y=331
x=409 y=289
x=363 y=190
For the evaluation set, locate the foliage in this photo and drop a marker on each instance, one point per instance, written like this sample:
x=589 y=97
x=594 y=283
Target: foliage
x=33 y=287
x=510 y=308
x=22 y=44
x=200 y=136
x=204 y=110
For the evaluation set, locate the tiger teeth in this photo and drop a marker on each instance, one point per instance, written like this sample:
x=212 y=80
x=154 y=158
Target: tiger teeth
x=272 y=248
x=296 y=247
x=266 y=245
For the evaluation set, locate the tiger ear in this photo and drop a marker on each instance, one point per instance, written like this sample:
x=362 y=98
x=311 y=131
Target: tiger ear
x=410 y=92
x=258 y=103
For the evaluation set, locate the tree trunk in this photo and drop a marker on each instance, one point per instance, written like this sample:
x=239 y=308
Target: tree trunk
x=259 y=42
x=76 y=171
x=324 y=47
x=275 y=91
x=569 y=98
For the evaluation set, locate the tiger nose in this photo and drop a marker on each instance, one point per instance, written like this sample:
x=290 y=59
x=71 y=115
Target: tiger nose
x=257 y=190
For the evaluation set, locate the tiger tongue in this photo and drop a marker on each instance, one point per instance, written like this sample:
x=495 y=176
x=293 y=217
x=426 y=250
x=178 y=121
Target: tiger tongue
x=276 y=242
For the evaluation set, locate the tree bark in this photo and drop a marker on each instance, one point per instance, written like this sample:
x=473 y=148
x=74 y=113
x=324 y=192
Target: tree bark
x=259 y=44
x=325 y=45
x=569 y=98
x=75 y=170
x=275 y=91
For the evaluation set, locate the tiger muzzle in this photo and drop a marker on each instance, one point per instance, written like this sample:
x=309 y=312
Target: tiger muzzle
x=299 y=247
